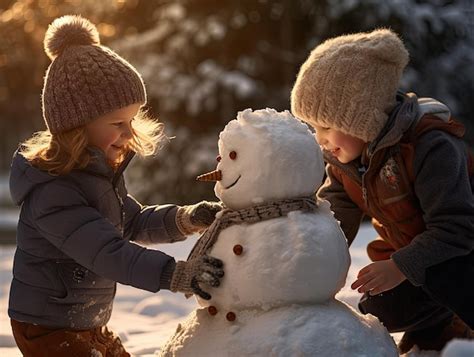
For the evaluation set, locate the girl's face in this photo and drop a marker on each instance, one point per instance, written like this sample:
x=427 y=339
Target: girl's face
x=343 y=147
x=112 y=132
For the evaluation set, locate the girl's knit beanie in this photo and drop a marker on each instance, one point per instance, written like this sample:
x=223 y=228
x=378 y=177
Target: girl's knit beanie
x=84 y=80
x=350 y=82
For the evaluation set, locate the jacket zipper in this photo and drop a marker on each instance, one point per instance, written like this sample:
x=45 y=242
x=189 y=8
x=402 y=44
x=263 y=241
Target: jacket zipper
x=360 y=181
x=115 y=180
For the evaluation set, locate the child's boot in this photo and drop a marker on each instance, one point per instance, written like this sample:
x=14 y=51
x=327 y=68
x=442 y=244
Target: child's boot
x=435 y=337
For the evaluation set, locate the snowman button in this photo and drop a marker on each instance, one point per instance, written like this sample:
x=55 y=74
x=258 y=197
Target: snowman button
x=230 y=316
x=238 y=249
x=212 y=310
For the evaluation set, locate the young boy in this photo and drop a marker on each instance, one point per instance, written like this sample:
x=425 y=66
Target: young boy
x=400 y=160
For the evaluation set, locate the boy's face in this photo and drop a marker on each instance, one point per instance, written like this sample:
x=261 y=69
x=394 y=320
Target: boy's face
x=112 y=132
x=343 y=147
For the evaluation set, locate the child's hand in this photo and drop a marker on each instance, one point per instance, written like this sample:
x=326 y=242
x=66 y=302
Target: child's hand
x=378 y=277
x=188 y=276
x=196 y=218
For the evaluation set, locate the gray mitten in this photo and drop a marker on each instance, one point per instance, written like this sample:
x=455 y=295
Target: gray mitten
x=188 y=276
x=195 y=218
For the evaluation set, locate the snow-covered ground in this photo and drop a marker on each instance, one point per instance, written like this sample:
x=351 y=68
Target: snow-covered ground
x=146 y=320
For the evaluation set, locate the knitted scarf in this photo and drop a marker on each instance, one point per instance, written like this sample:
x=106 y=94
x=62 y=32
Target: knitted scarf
x=228 y=217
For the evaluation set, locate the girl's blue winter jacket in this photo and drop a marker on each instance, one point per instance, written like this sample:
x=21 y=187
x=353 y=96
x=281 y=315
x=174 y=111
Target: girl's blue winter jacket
x=75 y=240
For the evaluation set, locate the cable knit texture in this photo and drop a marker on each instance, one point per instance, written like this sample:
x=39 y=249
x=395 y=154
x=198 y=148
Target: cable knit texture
x=85 y=80
x=182 y=276
x=350 y=82
x=196 y=218
x=188 y=276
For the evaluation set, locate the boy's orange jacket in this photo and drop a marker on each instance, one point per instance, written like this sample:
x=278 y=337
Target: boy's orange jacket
x=385 y=191
x=398 y=218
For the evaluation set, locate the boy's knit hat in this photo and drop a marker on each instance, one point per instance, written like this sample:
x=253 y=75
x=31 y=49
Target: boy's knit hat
x=350 y=82
x=85 y=80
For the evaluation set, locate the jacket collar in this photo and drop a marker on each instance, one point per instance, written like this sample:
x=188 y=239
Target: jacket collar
x=100 y=166
x=24 y=178
x=404 y=117
x=401 y=119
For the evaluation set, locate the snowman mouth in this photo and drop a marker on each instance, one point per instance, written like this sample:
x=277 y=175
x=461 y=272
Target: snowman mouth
x=234 y=183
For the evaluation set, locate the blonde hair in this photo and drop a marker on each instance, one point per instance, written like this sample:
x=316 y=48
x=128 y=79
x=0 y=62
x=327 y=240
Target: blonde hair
x=60 y=153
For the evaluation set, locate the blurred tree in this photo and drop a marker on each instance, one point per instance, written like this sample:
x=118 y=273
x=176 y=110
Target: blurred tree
x=204 y=60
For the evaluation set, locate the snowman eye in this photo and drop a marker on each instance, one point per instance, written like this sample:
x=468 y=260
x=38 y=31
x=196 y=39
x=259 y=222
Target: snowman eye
x=233 y=155
x=218 y=158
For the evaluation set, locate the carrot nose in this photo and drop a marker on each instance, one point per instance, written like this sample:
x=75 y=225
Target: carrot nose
x=215 y=175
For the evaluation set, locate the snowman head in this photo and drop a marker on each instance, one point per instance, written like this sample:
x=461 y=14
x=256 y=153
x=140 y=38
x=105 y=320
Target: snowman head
x=265 y=155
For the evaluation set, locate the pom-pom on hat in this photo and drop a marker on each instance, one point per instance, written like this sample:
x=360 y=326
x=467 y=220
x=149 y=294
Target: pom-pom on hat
x=85 y=80
x=350 y=82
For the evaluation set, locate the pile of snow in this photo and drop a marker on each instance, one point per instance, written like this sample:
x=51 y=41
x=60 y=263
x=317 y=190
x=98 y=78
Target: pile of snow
x=284 y=331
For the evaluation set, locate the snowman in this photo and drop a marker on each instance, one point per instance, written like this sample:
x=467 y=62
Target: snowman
x=285 y=255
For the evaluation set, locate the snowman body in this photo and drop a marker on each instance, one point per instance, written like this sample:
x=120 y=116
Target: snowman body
x=301 y=258
x=329 y=329
x=281 y=274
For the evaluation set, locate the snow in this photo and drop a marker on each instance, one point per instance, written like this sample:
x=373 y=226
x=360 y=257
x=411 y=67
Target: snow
x=459 y=348
x=277 y=297
x=299 y=259
x=8 y=218
x=277 y=157
x=267 y=155
x=145 y=321
x=291 y=330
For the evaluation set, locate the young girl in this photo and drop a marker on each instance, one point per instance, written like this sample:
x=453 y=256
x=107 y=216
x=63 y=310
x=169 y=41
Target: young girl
x=77 y=223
